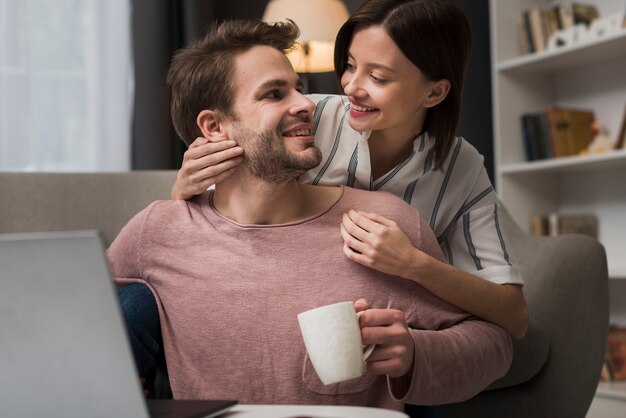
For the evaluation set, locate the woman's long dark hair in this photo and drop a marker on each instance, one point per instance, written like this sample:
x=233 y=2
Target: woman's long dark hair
x=436 y=36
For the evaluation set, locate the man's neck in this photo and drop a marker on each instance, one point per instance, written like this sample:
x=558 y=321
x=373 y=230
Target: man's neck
x=256 y=202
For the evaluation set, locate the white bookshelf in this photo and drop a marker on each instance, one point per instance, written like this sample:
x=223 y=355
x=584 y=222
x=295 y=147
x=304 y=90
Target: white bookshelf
x=588 y=75
x=615 y=390
x=599 y=162
x=609 y=401
x=566 y=58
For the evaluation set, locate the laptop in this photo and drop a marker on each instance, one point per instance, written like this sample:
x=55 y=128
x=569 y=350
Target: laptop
x=64 y=350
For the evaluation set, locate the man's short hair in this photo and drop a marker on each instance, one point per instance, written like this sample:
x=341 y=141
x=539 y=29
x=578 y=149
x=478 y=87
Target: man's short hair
x=201 y=75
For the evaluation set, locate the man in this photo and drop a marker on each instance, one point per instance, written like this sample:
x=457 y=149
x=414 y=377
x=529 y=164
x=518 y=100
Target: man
x=232 y=268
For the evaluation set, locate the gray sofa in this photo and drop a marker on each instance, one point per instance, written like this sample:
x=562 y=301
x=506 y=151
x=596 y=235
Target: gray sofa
x=555 y=368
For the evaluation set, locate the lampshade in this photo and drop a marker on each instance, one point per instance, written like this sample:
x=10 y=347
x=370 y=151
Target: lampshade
x=319 y=21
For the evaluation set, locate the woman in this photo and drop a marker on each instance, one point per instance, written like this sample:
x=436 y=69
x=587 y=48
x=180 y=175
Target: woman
x=401 y=64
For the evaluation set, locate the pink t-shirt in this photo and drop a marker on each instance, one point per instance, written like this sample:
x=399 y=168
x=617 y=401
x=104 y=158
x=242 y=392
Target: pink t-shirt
x=228 y=296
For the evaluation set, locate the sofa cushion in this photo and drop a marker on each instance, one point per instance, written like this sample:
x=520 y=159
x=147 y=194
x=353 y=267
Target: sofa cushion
x=38 y=202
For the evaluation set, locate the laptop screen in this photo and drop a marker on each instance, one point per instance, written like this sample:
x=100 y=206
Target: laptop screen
x=62 y=338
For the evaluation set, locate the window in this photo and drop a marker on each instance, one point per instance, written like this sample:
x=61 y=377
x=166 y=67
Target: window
x=65 y=87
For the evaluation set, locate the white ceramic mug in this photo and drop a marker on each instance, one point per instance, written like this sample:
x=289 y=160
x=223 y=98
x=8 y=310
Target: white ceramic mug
x=332 y=337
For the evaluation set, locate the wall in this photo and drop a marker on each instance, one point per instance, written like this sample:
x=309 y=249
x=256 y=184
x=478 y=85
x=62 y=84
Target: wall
x=476 y=113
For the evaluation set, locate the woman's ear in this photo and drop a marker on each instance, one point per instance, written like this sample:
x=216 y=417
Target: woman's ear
x=438 y=92
x=210 y=124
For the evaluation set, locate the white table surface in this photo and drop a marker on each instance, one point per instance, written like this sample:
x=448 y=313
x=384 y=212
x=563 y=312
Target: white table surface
x=308 y=411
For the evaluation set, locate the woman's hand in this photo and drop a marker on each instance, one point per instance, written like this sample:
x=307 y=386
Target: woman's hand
x=377 y=242
x=387 y=328
x=205 y=163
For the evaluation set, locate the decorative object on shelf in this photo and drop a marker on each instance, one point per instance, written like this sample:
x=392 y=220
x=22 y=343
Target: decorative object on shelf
x=599 y=28
x=584 y=13
x=601 y=141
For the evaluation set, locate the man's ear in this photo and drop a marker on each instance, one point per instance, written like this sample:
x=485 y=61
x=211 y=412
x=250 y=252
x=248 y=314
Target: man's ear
x=210 y=124
x=438 y=92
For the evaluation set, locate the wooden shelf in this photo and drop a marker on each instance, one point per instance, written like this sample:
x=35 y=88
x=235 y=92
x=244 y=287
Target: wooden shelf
x=586 y=53
x=564 y=164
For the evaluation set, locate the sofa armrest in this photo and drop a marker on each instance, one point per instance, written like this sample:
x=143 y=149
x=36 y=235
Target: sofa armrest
x=566 y=290
x=529 y=356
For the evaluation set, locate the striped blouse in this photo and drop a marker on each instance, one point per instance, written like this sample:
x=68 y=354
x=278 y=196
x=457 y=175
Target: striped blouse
x=458 y=201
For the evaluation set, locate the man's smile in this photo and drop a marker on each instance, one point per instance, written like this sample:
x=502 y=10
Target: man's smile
x=300 y=131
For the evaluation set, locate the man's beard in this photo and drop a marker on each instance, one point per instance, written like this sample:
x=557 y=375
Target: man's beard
x=268 y=159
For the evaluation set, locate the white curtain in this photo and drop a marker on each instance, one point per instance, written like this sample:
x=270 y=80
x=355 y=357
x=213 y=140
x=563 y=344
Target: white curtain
x=65 y=87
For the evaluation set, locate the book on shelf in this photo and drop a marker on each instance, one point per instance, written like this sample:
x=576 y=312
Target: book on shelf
x=536 y=136
x=556 y=132
x=525 y=34
x=553 y=20
x=532 y=26
x=535 y=17
x=554 y=224
x=524 y=42
x=536 y=24
x=566 y=15
x=539 y=225
x=571 y=130
x=615 y=359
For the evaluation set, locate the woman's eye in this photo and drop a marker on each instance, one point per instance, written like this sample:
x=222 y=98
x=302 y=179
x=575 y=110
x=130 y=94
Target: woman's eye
x=350 y=67
x=378 y=79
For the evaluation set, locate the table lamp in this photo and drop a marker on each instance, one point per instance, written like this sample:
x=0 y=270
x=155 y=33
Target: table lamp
x=319 y=21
